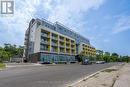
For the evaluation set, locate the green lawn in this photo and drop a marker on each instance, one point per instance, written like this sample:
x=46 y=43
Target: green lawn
x=2 y=65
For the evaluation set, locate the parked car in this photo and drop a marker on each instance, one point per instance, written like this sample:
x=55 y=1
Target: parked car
x=86 y=62
x=47 y=62
x=100 y=62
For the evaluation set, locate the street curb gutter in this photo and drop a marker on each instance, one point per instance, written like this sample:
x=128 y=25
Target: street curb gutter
x=86 y=77
x=89 y=76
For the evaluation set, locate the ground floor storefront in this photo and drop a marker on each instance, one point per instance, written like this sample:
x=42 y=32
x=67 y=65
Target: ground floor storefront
x=51 y=58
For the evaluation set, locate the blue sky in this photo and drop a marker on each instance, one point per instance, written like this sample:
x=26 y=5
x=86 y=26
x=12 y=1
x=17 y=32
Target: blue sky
x=105 y=22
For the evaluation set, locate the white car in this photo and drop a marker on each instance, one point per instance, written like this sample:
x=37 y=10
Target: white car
x=100 y=62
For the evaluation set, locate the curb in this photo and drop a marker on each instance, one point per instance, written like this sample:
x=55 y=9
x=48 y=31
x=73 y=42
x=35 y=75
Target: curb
x=85 y=78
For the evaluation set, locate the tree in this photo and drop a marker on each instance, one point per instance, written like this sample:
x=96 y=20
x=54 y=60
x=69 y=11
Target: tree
x=80 y=57
x=106 y=57
x=99 y=54
x=9 y=51
x=114 y=57
x=125 y=59
x=20 y=50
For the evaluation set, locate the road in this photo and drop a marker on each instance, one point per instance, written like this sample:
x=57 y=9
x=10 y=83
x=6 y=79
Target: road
x=47 y=76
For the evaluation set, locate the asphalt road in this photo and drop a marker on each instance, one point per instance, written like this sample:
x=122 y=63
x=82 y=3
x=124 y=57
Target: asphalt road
x=47 y=76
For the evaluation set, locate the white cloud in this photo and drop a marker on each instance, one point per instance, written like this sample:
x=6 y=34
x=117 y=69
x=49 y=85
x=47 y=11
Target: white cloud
x=71 y=11
x=123 y=24
x=68 y=12
x=16 y=25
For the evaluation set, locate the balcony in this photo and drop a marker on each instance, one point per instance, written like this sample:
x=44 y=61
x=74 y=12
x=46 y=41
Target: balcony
x=54 y=44
x=62 y=46
x=45 y=42
x=73 y=46
x=67 y=43
x=67 y=46
x=44 y=35
x=55 y=38
x=67 y=40
x=44 y=48
x=61 y=39
x=73 y=51
x=54 y=49
x=72 y=43
x=62 y=50
x=67 y=52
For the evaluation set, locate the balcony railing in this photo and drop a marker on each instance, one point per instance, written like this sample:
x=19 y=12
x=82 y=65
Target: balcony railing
x=45 y=49
x=44 y=42
x=62 y=46
x=62 y=40
x=62 y=52
x=55 y=38
x=44 y=35
x=67 y=46
x=54 y=44
x=53 y=50
x=67 y=52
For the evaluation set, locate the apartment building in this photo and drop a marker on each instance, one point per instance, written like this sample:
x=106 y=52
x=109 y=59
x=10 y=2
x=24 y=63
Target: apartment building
x=54 y=42
x=87 y=50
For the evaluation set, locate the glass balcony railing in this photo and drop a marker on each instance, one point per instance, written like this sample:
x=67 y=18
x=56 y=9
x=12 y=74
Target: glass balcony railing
x=54 y=50
x=62 y=52
x=67 y=51
x=73 y=52
x=72 y=46
x=44 y=35
x=72 y=41
x=62 y=40
x=62 y=46
x=44 y=48
x=67 y=46
x=67 y=41
x=55 y=38
x=54 y=44
x=44 y=42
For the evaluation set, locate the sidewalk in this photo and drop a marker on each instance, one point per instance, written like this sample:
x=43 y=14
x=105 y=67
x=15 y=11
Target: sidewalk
x=8 y=65
x=124 y=77
x=116 y=76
